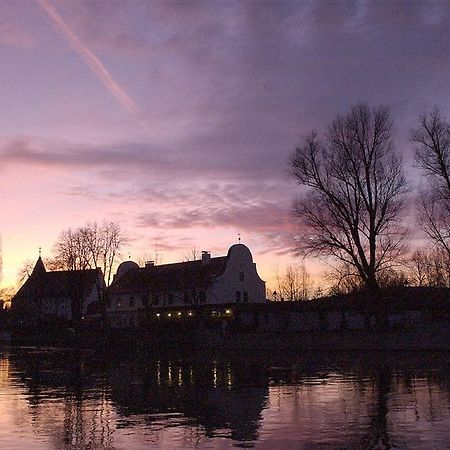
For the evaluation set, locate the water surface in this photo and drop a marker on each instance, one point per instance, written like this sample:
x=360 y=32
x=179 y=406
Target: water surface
x=68 y=399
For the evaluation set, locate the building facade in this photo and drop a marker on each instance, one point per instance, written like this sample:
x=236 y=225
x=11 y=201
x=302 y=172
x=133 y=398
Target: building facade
x=182 y=287
x=61 y=294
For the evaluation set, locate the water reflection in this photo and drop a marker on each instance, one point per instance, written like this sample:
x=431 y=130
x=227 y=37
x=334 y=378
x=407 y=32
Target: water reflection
x=204 y=394
x=67 y=398
x=73 y=400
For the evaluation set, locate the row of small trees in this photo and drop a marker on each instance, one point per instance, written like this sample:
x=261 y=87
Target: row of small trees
x=424 y=267
x=353 y=210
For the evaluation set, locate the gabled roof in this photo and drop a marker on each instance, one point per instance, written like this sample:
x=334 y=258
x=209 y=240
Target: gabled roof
x=57 y=284
x=177 y=276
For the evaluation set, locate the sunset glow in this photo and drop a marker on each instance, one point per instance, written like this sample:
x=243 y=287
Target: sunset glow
x=176 y=119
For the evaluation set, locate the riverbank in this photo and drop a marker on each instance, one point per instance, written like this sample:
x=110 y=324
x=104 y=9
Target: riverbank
x=402 y=319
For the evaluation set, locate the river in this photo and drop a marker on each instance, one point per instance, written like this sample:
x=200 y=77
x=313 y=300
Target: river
x=68 y=399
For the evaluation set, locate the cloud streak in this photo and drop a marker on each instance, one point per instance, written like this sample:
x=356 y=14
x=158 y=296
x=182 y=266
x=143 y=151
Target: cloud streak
x=88 y=57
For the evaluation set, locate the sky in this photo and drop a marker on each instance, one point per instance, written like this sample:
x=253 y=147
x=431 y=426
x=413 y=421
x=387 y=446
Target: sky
x=176 y=119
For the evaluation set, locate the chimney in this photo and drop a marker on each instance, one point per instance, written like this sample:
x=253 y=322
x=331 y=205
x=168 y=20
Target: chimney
x=206 y=257
x=149 y=264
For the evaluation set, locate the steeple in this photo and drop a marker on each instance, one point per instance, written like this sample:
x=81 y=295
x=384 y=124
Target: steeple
x=39 y=268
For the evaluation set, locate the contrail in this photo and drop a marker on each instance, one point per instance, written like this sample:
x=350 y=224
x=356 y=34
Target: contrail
x=88 y=57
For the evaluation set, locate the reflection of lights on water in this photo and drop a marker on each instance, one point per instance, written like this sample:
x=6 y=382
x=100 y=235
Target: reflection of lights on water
x=215 y=374
x=169 y=373
x=180 y=378
x=229 y=376
x=158 y=373
x=191 y=376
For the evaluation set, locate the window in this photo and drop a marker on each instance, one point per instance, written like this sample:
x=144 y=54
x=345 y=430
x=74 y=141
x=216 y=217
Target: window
x=241 y=276
x=245 y=296
x=170 y=299
x=238 y=296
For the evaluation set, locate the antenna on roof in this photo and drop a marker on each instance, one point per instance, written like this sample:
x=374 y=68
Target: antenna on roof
x=156 y=253
x=129 y=255
x=40 y=252
x=239 y=238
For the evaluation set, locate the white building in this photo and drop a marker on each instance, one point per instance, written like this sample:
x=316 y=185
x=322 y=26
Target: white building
x=221 y=281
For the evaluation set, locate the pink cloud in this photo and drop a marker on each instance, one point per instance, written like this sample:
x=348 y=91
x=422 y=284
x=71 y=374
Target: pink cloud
x=12 y=34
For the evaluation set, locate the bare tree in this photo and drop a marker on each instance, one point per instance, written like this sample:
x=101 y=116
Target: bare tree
x=356 y=193
x=192 y=255
x=295 y=284
x=111 y=240
x=90 y=247
x=71 y=250
x=25 y=270
x=343 y=279
x=418 y=267
x=429 y=268
x=432 y=139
